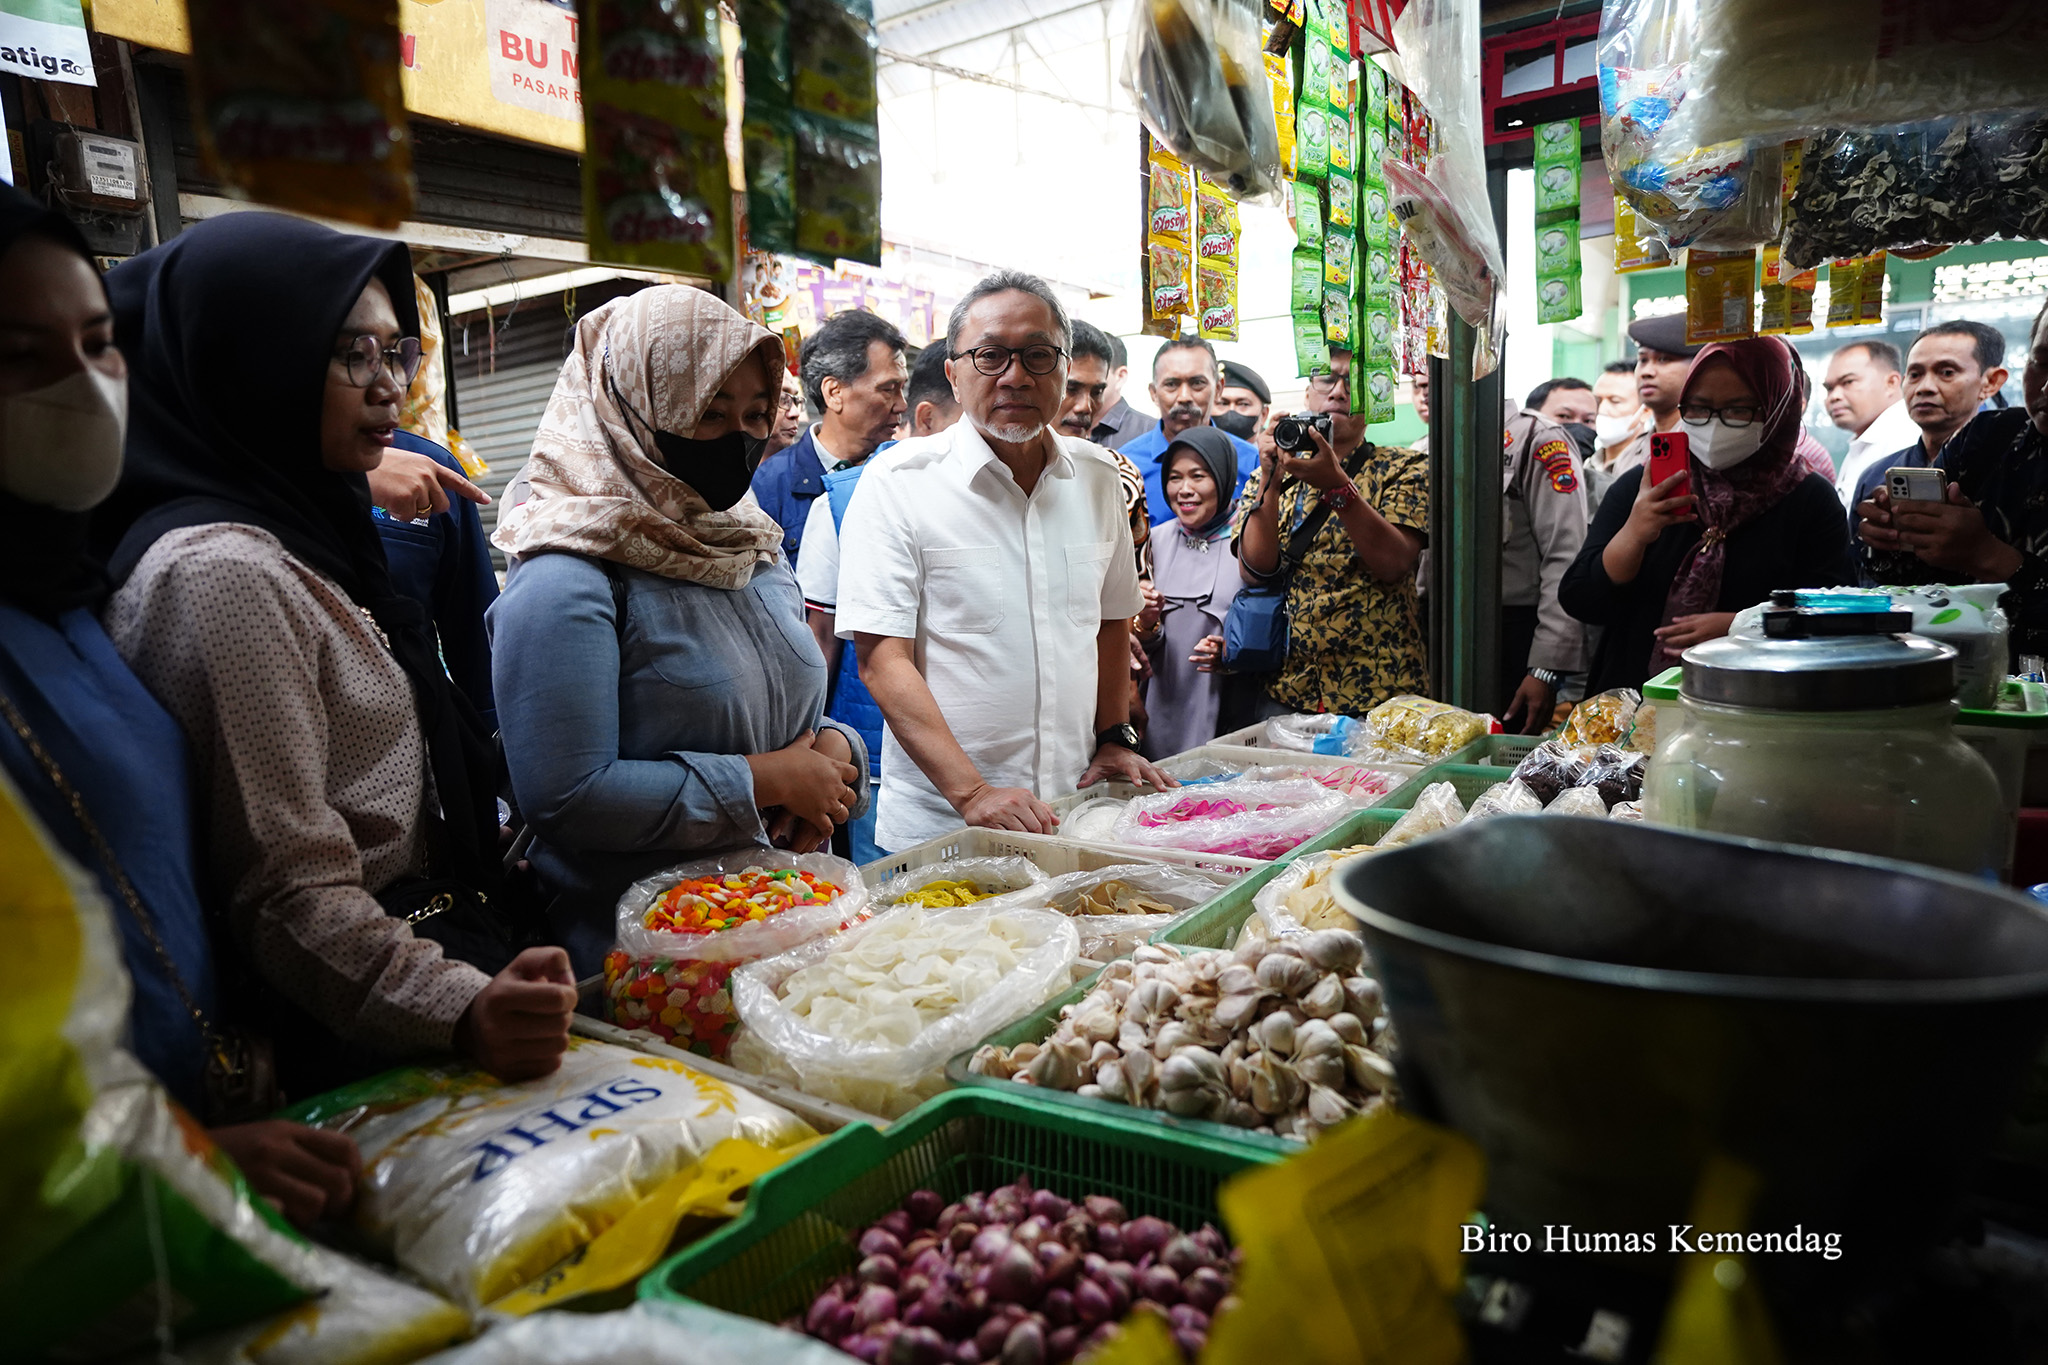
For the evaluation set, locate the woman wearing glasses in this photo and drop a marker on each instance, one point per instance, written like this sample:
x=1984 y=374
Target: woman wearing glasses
x=1666 y=566
x=335 y=763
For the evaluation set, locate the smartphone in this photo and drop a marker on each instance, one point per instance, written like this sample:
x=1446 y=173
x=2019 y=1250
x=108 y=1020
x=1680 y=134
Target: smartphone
x=1670 y=453
x=1915 y=485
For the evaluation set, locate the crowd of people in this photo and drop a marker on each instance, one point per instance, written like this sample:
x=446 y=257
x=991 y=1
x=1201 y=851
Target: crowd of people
x=351 y=802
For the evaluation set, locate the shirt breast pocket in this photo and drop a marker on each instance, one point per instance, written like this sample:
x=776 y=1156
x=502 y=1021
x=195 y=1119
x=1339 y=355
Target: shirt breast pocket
x=1087 y=566
x=963 y=589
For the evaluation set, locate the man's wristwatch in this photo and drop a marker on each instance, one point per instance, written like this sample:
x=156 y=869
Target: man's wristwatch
x=1124 y=736
x=1341 y=497
x=1549 y=677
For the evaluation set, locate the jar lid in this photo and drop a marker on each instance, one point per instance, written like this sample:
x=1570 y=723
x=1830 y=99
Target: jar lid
x=1830 y=673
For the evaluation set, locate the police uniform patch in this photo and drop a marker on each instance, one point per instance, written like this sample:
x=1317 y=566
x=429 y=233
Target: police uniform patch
x=1556 y=458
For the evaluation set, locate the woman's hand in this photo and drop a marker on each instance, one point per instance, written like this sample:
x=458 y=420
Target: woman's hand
x=517 y=1027
x=1686 y=631
x=1155 y=607
x=307 y=1173
x=1208 y=655
x=807 y=781
x=409 y=485
x=1657 y=507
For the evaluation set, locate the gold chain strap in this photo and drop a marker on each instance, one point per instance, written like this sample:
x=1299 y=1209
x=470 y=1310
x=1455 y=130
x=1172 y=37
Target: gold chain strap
x=105 y=853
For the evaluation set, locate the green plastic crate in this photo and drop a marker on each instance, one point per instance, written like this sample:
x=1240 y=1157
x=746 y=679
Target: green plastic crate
x=1470 y=780
x=1497 y=751
x=1215 y=925
x=795 y=1235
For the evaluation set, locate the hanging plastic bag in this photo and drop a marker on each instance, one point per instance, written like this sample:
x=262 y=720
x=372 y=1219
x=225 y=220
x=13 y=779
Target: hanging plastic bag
x=673 y=982
x=1195 y=70
x=1115 y=909
x=959 y=881
x=511 y=1196
x=869 y=1017
x=1767 y=70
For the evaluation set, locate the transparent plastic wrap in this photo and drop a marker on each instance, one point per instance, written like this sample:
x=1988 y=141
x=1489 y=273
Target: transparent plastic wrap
x=1245 y=820
x=675 y=984
x=1195 y=70
x=481 y=1188
x=1117 y=908
x=1944 y=181
x=1616 y=774
x=1437 y=807
x=1509 y=798
x=1627 y=810
x=967 y=881
x=1437 y=56
x=1578 y=801
x=869 y=1017
x=1705 y=192
x=1550 y=770
x=1093 y=821
x=1421 y=726
x=1300 y=731
x=1602 y=719
x=1300 y=900
x=1764 y=69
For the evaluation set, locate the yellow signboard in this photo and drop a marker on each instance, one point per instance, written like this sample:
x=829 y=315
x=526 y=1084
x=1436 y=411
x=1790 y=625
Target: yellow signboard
x=502 y=66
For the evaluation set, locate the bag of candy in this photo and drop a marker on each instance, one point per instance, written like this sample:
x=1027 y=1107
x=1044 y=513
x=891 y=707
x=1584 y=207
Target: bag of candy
x=684 y=929
x=958 y=881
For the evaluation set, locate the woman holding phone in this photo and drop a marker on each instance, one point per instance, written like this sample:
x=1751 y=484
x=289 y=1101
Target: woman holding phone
x=1736 y=514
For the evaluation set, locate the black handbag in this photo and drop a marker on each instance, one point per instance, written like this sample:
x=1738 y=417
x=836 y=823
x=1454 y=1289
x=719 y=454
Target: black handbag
x=1259 y=628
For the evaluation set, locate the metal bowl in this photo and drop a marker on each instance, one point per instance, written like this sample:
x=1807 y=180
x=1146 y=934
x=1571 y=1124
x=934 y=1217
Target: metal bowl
x=1604 y=1006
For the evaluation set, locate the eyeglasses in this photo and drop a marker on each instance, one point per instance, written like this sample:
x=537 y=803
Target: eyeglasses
x=366 y=359
x=1328 y=380
x=1737 y=415
x=994 y=360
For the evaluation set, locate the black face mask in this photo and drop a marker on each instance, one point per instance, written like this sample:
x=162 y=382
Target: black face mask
x=1582 y=436
x=1238 y=424
x=720 y=469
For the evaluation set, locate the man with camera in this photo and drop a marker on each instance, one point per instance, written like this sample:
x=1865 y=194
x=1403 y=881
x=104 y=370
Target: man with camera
x=1356 y=636
x=1543 y=524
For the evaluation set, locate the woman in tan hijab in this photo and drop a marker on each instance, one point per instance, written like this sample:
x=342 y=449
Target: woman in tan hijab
x=658 y=691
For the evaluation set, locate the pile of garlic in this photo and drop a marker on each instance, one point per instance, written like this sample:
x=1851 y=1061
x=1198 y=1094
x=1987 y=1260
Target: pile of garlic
x=1282 y=1037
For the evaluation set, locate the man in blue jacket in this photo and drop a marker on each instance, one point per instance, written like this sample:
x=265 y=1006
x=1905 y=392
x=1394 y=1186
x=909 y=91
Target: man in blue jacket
x=1184 y=386
x=854 y=378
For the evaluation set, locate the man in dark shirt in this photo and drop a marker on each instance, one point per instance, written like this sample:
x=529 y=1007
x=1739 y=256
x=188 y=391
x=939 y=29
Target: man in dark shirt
x=1118 y=423
x=1994 y=526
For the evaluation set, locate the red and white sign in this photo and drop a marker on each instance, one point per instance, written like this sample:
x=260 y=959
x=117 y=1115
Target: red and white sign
x=533 y=56
x=1372 y=25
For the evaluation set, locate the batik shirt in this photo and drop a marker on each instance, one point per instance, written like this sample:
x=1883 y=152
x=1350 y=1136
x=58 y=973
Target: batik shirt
x=1356 y=641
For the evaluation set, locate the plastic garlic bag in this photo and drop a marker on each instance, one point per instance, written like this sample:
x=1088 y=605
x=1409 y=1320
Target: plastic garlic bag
x=1578 y=801
x=481 y=1188
x=1509 y=798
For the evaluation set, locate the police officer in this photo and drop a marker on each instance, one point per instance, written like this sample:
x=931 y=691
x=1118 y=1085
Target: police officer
x=1543 y=524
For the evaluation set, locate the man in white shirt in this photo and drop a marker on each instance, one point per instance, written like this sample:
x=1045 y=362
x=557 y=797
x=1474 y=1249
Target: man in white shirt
x=1866 y=398
x=988 y=589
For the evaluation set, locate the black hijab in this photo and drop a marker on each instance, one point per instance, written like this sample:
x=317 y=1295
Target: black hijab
x=1212 y=446
x=45 y=567
x=229 y=329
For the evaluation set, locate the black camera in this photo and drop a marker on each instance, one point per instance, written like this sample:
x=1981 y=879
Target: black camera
x=1291 y=434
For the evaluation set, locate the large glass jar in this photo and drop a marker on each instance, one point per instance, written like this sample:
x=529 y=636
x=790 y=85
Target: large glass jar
x=1840 y=743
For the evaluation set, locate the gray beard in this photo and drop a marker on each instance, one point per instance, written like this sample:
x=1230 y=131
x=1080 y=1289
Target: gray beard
x=1015 y=436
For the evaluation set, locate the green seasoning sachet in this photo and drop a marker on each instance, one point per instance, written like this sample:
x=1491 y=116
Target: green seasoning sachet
x=1312 y=126
x=1557 y=166
x=1343 y=201
x=1340 y=255
x=1337 y=316
x=1311 y=352
x=1307 y=293
x=1308 y=215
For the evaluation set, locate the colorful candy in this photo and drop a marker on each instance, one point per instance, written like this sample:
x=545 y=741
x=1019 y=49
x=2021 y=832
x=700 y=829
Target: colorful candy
x=706 y=905
x=683 y=1000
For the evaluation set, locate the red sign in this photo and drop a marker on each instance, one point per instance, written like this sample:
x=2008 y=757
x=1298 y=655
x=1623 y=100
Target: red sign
x=1372 y=25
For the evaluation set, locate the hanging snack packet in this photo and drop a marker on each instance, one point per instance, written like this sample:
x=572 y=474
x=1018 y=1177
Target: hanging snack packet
x=1557 y=166
x=1788 y=297
x=1308 y=215
x=1343 y=142
x=1558 y=297
x=299 y=106
x=1338 y=316
x=1168 y=292
x=1340 y=76
x=1281 y=88
x=1557 y=266
x=1636 y=243
x=1379 y=273
x=1379 y=393
x=1856 y=290
x=1379 y=332
x=482 y=1188
x=768 y=149
x=1168 y=196
x=1340 y=256
x=655 y=185
x=1720 y=295
x=838 y=191
x=1315 y=73
x=1216 y=301
x=764 y=47
x=1311 y=352
x=832 y=58
x=1343 y=201
x=1312 y=127
x=1307 y=294
x=1216 y=228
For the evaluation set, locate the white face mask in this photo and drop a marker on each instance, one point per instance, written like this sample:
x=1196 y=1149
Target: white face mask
x=1609 y=431
x=1720 y=446
x=60 y=446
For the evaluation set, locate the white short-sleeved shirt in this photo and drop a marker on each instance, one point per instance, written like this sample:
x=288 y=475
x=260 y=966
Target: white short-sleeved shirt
x=1004 y=595
x=817 y=571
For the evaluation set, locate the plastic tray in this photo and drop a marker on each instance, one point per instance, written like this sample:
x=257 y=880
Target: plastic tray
x=795 y=1234
x=1053 y=855
x=1215 y=925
